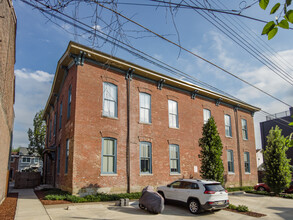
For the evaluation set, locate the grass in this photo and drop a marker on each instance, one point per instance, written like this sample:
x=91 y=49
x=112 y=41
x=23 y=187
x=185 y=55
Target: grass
x=244 y=188
x=57 y=194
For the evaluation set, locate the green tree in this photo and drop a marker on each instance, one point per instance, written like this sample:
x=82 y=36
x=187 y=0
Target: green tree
x=211 y=152
x=37 y=136
x=283 y=17
x=276 y=163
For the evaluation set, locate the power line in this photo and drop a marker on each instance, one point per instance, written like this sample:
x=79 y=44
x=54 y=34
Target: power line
x=87 y=31
x=194 y=54
x=221 y=26
x=258 y=39
x=255 y=48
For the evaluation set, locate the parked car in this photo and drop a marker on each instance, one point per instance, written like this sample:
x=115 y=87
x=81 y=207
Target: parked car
x=265 y=187
x=197 y=194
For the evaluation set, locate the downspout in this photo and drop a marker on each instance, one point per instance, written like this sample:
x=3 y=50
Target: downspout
x=8 y=167
x=238 y=145
x=56 y=148
x=128 y=78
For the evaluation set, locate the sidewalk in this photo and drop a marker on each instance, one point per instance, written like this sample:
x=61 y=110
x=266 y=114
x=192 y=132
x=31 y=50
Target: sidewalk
x=29 y=206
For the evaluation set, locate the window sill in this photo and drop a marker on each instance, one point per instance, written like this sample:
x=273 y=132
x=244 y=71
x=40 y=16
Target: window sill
x=230 y=137
x=109 y=117
x=146 y=174
x=108 y=174
x=175 y=174
x=247 y=173
x=145 y=123
x=174 y=127
x=245 y=139
x=230 y=173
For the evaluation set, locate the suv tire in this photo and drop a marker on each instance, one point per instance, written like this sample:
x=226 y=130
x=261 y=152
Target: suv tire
x=193 y=206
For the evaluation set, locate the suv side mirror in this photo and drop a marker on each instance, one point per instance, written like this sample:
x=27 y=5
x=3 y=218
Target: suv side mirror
x=168 y=185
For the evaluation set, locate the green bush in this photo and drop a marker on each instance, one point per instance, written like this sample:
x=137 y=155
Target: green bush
x=55 y=197
x=244 y=188
x=242 y=208
x=231 y=206
x=57 y=194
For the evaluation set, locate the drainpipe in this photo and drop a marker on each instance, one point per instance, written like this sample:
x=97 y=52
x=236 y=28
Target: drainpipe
x=128 y=78
x=238 y=145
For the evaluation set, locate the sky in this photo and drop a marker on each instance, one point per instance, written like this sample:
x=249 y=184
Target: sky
x=40 y=43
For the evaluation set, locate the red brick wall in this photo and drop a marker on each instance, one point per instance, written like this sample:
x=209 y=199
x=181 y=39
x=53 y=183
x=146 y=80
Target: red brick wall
x=87 y=127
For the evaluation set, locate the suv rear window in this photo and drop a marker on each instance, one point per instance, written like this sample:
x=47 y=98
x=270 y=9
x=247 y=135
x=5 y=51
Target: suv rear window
x=214 y=187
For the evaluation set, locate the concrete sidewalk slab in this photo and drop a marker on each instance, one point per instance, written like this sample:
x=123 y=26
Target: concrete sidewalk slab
x=29 y=206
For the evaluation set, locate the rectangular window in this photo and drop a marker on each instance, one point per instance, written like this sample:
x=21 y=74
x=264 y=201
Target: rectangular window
x=66 y=155
x=60 y=116
x=26 y=159
x=55 y=123
x=174 y=158
x=145 y=157
x=173 y=114
x=246 y=162
x=69 y=102
x=109 y=100
x=206 y=115
x=36 y=160
x=228 y=128
x=230 y=160
x=144 y=108
x=58 y=160
x=50 y=130
x=244 y=129
x=109 y=155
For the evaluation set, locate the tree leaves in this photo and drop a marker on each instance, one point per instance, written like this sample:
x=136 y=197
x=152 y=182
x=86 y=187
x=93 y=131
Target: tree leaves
x=264 y=4
x=284 y=24
x=268 y=27
x=211 y=151
x=275 y=8
x=289 y=16
x=271 y=28
x=272 y=33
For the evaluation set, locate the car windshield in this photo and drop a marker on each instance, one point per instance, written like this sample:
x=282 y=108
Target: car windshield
x=214 y=187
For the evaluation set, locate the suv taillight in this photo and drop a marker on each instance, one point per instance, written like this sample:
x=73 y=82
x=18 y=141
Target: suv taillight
x=209 y=192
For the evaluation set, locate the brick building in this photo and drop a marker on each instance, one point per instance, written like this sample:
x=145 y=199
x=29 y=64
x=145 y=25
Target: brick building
x=114 y=126
x=7 y=60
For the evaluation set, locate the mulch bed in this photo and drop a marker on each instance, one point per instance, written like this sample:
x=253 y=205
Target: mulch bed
x=41 y=195
x=8 y=207
x=249 y=213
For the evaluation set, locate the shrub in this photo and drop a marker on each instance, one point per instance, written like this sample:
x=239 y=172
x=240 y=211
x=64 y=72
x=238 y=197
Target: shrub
x=276 y=163
x=55 y=197
x=244 y=188
x=211 y=152
x=57 y=194
x=242 y=208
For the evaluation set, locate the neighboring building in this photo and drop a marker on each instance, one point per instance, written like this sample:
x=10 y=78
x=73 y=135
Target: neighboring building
x=29 y=162
x=281 y=119
x=14 y=158
x=7 y=60
x=259 y=159
x=113 y=126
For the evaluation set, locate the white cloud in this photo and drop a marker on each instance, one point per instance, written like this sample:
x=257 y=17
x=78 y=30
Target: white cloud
x=37 y=75
x=31 y=92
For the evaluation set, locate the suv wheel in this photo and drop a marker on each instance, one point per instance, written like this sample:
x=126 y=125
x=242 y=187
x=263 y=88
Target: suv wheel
x=193 y=206
x=261 y=188
x=141 y=206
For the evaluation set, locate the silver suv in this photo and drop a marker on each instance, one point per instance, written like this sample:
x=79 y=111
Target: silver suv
x=197 y=194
